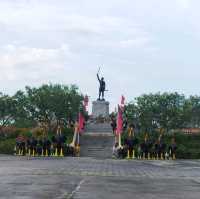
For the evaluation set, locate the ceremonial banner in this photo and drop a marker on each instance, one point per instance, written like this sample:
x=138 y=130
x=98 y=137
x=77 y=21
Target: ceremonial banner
x=122 y=100
x=120 y=116
x=119 y=121
x=85 y=102
x=81 y=122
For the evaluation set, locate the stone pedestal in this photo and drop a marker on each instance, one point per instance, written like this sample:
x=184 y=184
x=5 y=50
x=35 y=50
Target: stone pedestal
x=100 y=109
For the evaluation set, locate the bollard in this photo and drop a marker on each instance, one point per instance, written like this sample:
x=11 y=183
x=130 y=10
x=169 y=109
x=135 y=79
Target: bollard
x=166 y=156
x=46 y=153
x=157 y=157
x=42 y=153
x=149 y=157
x=128 y=154
x=29 y=152
x=61 y=153
x=133 y=155
x=33 y=153
x=161 y=156
x=56 y=153
x=174 y=156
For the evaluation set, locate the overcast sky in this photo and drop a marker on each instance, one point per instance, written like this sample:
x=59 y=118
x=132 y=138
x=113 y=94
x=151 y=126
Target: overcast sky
x=143 y=46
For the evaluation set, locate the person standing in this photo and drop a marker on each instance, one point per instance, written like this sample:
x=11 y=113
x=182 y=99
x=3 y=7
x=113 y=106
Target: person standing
x=113 y=125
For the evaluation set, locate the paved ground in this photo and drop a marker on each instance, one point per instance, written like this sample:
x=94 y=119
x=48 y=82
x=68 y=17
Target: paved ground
x=92 y=179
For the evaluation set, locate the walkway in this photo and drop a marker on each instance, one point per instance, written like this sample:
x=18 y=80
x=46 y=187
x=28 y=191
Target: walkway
x=88 y=178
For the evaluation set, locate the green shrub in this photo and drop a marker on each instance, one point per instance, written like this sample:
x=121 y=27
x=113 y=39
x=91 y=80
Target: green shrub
x=7 y=146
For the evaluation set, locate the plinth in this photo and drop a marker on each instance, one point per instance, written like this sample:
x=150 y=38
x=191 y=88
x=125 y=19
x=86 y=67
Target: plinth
x=100 y=109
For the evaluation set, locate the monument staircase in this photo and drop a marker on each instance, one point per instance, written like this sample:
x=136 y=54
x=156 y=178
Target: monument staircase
x=97 y=141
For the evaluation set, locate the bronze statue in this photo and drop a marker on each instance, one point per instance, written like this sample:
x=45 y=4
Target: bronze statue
x=102 y=86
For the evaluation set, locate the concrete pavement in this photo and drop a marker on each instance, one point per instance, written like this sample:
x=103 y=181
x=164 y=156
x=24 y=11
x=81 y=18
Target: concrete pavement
x=88 y=178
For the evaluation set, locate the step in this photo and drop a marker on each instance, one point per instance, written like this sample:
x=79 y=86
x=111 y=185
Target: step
x=102 y=127
x=97 y=147
x=97 y=134
x=97 y=141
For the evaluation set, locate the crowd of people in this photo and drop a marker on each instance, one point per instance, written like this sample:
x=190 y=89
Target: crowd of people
x=130 y=147
x=147 y=149
x=56 y=146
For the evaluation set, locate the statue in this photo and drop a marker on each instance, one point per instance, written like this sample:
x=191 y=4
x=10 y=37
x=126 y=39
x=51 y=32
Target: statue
x=102 y=87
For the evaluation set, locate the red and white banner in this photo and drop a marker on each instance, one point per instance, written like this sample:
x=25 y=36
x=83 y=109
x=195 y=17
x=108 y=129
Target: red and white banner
x=120 y=116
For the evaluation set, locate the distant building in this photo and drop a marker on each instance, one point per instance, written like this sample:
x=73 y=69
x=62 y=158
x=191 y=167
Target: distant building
x=192 y=131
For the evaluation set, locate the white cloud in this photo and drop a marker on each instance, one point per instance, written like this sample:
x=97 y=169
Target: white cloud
x=138 y=42
x=184 y=3
x=141 y=44
x=19 y=61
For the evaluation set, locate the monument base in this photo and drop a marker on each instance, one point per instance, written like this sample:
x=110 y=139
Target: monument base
x=100 y=109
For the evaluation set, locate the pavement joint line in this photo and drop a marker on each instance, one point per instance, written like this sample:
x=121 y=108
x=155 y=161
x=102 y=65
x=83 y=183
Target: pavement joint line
x=76 y=189
x=101 y=174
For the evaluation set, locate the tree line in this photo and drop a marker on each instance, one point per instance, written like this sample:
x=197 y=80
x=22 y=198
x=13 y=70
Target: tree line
x=49 y=104
x=53 y=104
x=168 y=111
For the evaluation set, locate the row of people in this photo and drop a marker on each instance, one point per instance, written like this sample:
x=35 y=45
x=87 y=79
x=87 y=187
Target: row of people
x=56 y=146
x=146 y=150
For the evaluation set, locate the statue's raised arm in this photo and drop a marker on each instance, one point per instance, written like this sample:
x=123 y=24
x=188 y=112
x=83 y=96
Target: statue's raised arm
x=98 y=77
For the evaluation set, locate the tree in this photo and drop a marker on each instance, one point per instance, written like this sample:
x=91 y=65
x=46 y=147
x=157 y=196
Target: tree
x=158 y=110
x=22 y=116
x=7 y=111
x=170 y=109
x=192 y=111
x=53 y=104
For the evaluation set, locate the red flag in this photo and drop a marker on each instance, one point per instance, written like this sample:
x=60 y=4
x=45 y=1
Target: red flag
x=81 y=122
x=85 y=102
x=122 y=100
x=119 y=121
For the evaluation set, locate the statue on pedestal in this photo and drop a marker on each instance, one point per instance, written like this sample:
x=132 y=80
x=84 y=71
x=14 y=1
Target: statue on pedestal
x=102 y=87
x=100 y=107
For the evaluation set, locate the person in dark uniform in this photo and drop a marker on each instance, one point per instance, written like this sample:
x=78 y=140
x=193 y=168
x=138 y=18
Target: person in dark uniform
x=113 y=125
x=161 y=146
x=33 y=144
x=48 y=146
x=58 y=143
x=21 y=145
x=156 y=150
x=18 y=150
x=131 y=142
x=172 y=149
x=28 y=146
x=145 y=148
x=54 y=145
x=39 y=147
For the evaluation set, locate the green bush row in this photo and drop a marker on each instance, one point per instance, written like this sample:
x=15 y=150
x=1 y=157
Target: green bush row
x=7 y=146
